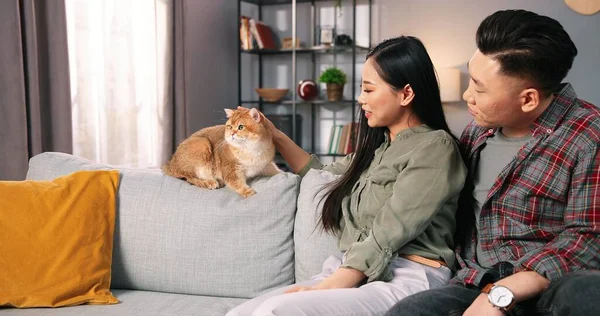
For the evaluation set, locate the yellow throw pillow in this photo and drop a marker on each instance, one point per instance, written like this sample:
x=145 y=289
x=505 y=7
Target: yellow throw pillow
x=56 y=240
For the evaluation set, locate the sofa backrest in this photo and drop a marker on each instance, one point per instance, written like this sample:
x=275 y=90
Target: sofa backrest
x=311 y=244
x=173 y=237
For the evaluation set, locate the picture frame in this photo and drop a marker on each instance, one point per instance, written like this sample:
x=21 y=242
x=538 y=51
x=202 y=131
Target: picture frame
x=326 y=36
x=288 y=43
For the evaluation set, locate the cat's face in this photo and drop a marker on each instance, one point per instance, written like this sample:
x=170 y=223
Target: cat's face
x=244 y=127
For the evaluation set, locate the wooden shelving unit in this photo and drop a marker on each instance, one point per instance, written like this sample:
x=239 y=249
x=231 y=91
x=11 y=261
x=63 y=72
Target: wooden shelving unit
x=313 y=51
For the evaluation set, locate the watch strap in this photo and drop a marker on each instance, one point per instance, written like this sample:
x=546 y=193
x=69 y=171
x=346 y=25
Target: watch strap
x=509 y=307
x=487 y=288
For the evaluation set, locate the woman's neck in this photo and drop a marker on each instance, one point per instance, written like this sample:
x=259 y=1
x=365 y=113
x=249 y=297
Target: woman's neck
x=409 y=122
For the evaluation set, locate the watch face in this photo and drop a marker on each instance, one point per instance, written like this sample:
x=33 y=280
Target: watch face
x=500 y=296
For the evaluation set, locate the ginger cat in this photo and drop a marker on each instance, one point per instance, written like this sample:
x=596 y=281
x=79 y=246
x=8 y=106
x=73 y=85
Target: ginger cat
x=226 y=154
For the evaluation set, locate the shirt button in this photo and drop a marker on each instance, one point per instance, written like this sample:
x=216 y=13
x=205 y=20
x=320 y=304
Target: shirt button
x=549 y=131
x=491 y=131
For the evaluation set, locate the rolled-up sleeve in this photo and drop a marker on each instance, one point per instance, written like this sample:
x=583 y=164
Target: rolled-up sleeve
x=577 y=247
x=337 y=167
x=434 y=174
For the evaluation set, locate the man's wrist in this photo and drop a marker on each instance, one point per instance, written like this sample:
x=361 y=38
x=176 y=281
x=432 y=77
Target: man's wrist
x=499 y=297
x=525 y=284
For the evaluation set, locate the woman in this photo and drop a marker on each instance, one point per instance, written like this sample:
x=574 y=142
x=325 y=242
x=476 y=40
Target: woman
x=393 y=206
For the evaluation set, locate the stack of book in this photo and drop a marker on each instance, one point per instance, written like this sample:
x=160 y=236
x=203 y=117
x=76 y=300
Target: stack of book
x=255 y=34
x=341 y=139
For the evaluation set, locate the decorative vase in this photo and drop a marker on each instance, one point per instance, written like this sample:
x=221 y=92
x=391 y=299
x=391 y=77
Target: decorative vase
x=307 y=89
x=335 y=91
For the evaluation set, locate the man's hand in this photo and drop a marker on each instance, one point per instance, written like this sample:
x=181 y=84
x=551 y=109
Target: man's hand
x=340 y=279
x=482 y=307
x=524 y=285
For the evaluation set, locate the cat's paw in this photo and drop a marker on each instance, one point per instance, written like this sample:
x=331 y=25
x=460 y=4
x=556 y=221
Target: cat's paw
x=212 y=184
x=206 y=184
x=247 y=192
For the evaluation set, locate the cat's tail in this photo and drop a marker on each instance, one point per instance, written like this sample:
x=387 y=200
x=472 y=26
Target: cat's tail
x=168 y=170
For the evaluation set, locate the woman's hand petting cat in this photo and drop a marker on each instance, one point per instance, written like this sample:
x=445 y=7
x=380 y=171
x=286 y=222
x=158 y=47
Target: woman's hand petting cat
x=268 y=122
x=341 y=279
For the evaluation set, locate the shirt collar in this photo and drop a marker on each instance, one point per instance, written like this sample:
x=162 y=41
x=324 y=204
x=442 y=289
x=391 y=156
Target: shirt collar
x=556 y=111
x=553 y=115
x=406 y=133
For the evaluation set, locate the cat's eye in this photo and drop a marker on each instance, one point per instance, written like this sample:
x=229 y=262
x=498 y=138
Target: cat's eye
x=240 y=127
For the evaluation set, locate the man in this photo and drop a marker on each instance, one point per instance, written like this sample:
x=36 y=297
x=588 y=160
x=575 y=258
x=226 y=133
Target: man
x=528 y=240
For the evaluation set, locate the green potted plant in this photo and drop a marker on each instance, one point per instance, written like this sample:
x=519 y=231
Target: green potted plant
x=334 y=78
x=338 y=4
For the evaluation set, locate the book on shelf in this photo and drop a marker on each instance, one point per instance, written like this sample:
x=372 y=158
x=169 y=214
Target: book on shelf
x=341 y=148
x=335 y=133
x=263 y=34
x=255 y=34
x=245 y=39
x=341 y=139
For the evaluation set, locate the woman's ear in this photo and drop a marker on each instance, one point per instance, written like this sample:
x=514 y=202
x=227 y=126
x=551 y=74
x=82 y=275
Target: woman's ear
x=406 y=95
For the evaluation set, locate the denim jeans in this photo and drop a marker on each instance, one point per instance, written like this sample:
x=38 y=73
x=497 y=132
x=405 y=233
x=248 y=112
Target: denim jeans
x=575 y=294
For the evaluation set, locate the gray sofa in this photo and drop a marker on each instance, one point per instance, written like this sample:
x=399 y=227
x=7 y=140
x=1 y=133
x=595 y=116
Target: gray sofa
x=181 y=250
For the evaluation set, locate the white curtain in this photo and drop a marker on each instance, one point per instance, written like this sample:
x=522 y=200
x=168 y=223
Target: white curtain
x=120 y=62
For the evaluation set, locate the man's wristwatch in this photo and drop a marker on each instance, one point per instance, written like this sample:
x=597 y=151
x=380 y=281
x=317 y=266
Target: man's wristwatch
x=499 y=296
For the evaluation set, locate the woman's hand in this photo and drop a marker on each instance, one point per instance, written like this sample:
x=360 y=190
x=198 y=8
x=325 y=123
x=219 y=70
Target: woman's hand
x=268 y=122
x=295 y=156
x=300 y=289
x=340 y=279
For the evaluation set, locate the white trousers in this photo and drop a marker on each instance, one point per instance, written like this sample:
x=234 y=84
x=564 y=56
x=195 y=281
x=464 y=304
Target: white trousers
x=374 y=298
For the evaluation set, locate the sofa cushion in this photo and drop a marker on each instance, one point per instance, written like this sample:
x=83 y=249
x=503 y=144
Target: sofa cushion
x=56 y=240
x=138 y=303
x=173 y=237
x=311 y=244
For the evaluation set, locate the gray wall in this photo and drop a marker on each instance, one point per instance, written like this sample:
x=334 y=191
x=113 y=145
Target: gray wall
x=211 y=43
x=448 y=28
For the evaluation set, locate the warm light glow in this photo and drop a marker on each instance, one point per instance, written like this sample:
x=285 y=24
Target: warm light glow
x=449 y=80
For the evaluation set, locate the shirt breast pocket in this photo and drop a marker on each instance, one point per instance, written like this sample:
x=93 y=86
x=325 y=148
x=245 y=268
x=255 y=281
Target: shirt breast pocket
x=549 y=184
x=379 y=188
x=383 y=176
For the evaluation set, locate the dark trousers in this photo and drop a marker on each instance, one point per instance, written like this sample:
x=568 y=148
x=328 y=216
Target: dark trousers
x=577 y=293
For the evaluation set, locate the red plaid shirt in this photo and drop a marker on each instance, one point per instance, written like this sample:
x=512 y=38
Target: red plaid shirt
x=543 y=211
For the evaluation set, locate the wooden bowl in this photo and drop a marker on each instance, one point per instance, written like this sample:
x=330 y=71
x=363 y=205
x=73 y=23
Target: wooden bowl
x=271 y=94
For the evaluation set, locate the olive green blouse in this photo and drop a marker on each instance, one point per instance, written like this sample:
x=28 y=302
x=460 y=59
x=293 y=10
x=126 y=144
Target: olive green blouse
x=404 y=203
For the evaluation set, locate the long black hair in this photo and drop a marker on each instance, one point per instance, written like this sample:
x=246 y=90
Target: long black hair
x=398 y=61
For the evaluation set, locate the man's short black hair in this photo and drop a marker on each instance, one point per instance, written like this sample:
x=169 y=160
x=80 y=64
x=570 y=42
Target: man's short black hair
x=528 y=46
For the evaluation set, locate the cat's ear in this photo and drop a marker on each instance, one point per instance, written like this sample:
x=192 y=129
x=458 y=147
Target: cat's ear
x=228 y=112
x=255 y=115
